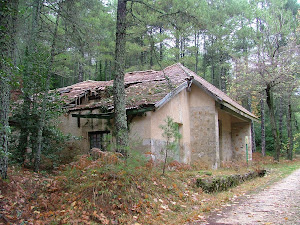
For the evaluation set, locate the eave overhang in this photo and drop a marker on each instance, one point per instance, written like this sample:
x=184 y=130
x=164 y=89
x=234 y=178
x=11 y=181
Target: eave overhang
x=225 y=105
x=110 y=115
x=170 y=95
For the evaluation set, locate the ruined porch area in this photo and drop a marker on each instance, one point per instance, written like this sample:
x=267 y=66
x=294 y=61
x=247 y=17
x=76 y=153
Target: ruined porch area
x=234 y=139
x=218 y=137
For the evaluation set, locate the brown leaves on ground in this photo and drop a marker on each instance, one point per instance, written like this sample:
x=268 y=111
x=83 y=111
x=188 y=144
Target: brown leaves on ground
x=102 y=191
x=23 y=197
x=105 y=191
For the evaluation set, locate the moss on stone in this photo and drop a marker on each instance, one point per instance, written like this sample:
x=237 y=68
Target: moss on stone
x=223 y=183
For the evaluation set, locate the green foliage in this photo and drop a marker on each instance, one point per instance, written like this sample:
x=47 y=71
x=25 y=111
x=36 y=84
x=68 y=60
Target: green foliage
x=53 y=139
x=297 y=143
x=172 y=135
x=206 y=36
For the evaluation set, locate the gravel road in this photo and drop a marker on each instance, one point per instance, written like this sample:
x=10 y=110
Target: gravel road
x=277 y=204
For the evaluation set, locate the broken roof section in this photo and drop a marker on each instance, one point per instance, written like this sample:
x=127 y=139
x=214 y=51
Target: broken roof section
x=144 y=89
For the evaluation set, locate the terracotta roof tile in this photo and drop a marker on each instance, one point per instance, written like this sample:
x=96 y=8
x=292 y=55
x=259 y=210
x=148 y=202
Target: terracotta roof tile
x=141 y=88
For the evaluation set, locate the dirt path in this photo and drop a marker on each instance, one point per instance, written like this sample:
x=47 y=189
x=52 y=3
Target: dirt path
x=277 y=204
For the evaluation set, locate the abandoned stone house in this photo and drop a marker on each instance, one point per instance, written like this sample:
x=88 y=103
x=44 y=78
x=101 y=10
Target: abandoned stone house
x=214 y=128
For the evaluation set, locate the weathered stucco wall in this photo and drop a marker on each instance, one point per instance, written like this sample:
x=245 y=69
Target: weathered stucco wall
x=178 y=110
x=140 y=132
x=225 y=146
x=69 y=125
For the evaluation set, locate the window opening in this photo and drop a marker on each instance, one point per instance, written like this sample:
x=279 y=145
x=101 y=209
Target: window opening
x=99 y=139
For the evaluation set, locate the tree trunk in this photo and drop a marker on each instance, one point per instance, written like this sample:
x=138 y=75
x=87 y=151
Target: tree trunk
x=106 y=70
x=197 y=51
x=182 y=47
x=177 y=42
x=263 y=134
x=80 y=71
x=142 y=54
x=161 y=46
x=152 y=51
x=295 y=123
x=119 y=88
x=289 y=131
x=4 y=125
x=30 y=54
x=252 y=127
x=280 y=115
x=273 y=123
x=41 y=122
x=222 y=78
x=8 y=17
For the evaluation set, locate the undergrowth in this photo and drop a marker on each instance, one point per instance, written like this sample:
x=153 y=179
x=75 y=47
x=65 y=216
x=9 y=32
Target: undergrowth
x=109 y=190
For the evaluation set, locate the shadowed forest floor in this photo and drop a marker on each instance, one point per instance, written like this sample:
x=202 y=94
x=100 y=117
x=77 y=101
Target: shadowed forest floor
x=111 y=191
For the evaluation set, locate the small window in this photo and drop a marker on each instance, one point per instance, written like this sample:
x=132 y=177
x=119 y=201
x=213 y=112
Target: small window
x=99 y=139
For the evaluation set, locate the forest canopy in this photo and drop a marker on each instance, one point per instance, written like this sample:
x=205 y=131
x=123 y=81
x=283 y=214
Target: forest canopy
x=248 y=49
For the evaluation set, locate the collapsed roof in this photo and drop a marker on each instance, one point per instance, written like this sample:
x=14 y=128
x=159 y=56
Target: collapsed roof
x=144 y=89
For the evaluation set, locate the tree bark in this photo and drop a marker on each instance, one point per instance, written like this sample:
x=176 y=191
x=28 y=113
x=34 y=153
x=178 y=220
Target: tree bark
x=41 y=122
x=161 y=46
x=177 y=43
x=31 y=50
x=262 y=125
x=273 y=122
x=80 y=66
x=197 y=34
x=280 y=115
x=121 y=130
x=289 y=131
x=4 y=125
x=252 y=127
x=182 y=47
x=8 y=17
x=152 y=51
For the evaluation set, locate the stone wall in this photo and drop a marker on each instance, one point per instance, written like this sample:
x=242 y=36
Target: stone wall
x=204 y=141
x=204 y=129
x=239 y=132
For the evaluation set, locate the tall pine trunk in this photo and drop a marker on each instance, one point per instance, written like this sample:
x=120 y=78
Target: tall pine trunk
x=152 y=50
x=161 y=46
x=177 y=43
x=41 y=122
x=80 y=70
x=289 y=130
x=119 y=88
x=262 y=125
x=280 y=115
x=197 y=34
x=252 y=127
x=8 y=17
x=30 y=54
x=275 y=134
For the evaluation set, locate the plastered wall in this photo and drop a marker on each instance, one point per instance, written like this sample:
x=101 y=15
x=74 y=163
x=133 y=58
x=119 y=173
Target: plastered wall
x=69 y=125
x=147 y=128
x=225 y=145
